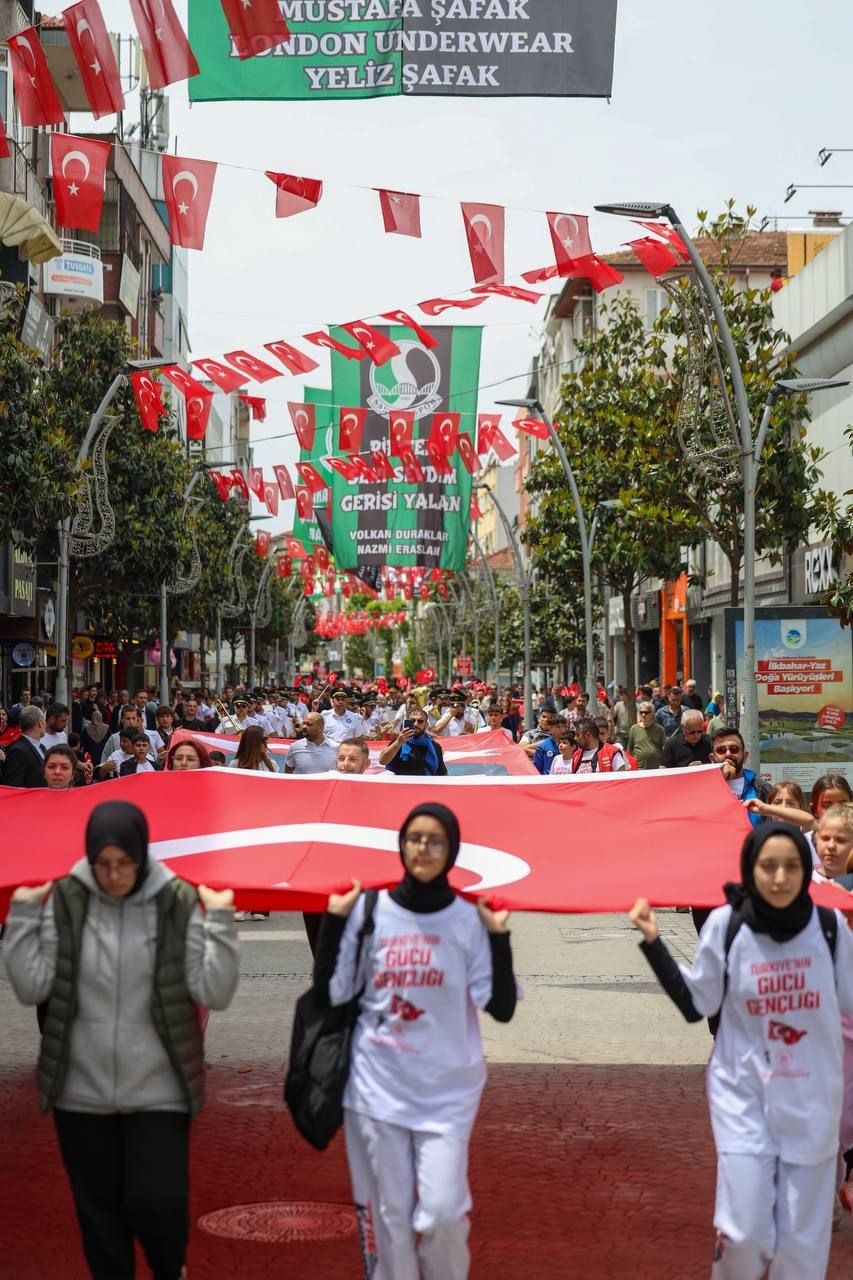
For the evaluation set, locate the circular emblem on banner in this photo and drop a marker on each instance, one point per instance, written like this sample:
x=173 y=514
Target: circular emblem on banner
x=23 y=655
x=408 y=381
x=82 y=647
x=794 y=633
x=48 y=619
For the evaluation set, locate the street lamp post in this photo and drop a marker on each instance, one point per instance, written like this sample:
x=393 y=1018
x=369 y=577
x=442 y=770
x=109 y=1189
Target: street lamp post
x=523 y=576
x=183 y=583
x=490 y=577
x=262 y=584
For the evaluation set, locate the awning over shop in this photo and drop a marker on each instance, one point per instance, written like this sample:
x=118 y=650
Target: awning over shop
x=24 y=228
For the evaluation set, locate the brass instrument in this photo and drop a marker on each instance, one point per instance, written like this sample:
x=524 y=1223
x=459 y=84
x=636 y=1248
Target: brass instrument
x=226 y=717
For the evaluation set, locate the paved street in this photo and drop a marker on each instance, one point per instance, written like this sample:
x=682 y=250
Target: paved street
x=592 y=1156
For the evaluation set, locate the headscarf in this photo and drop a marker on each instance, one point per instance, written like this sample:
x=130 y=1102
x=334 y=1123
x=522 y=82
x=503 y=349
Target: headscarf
x=122 y=824
x=781 y=923
x=411 y=893
x=95 y=727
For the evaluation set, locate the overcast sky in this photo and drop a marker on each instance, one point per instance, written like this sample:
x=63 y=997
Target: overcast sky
x=711 y=99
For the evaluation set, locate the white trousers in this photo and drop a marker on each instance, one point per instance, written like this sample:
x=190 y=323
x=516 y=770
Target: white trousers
x=769 y=1213
x=412 y=1198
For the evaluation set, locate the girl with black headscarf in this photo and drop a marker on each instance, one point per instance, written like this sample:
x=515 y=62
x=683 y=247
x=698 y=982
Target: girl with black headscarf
x=417 y=1069
x=120 y=960
x=780 y=973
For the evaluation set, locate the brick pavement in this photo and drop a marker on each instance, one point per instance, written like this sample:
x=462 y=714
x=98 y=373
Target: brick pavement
x=579 y=1168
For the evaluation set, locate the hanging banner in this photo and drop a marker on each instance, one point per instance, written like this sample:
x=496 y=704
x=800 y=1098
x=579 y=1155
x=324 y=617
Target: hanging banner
x=408 y=520
x=434 y=48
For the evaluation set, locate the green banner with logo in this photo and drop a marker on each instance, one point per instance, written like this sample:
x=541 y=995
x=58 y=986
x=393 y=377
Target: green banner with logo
x=325 y=439
x=395 y=522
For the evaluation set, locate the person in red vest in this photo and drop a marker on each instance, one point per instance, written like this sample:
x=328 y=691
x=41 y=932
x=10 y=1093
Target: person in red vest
x=591 y=754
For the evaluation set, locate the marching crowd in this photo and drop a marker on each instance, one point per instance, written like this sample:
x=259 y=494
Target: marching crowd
x=120 y=955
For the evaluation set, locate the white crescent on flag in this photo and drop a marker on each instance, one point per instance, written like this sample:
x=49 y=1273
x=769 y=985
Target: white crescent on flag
x=566 y=237
x=81 y=158
x=185 y=175
x=477 y=220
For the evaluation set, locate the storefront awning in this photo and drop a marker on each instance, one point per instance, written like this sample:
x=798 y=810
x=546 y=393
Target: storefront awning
x=24 y=228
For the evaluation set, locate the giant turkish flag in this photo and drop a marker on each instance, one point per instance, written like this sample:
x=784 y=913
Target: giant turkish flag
x=592 y=843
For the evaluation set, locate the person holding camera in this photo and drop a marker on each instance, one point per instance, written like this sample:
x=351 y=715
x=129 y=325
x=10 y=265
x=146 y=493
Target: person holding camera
x=414 y=752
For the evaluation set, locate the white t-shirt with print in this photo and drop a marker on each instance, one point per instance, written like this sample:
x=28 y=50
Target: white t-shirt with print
x=560 y=764
x=338 y=728
x=417 y=1056
x=585 y=765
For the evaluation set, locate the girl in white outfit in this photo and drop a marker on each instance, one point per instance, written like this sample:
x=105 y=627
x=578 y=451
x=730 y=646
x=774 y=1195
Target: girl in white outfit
x=775 y=1078
x=417 y=1069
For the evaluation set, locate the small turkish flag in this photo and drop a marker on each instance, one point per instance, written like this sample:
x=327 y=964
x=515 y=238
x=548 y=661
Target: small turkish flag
x=321 y=558
x=425 y=676
x=187 y=190
x=402 y=425
x=381 y=464
x=669 y=234
x=294 y=360
x=35 y=93
x=413 y=472
x=285 y=484
x=165 y=47
x=437 y=575
x=486 y=424
x=256 y=481
x=148 y=395
x=226 y=379
x=540 y=274
x=495 y=439
x=4 y=141
x=378 y=347
x=439 y=458
x=321 y=339
x=258 y=406
x=283 y=566
x=423 y=336
x=304 y=502
x=508 y=291
x=363 y=471
x=79 y=167
x=198 y=414
x=570 y=239
x=655 y=257
x=262 y=543
x=350 y=429
x=303 y=417
x=442 y=590
x=271 y=497
x=401 y=212
x=293 y=194
x=466 y=453
x=93 y=52
x=309 y=473
x=184 y=381
x=484 y=231
x=348 y=470
x=223 y=484
x=256 y=26
x=239 y=481
x=295 y=549
x=476 y=513
x=258 y=370
x=444 y=430
x=408 y=593
x=531 y=427
x=600 y=274
x=435 y=306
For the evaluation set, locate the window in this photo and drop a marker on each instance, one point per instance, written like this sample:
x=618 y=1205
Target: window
x=656 y=301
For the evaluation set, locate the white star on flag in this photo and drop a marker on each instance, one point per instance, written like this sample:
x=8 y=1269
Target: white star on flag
x=183 y=208
x=96 y=67
x=73 y=189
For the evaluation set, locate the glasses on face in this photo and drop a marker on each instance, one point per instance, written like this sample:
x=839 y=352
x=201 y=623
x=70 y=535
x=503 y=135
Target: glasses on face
x=645 y=713
x=733 y=749
x=434 y=845
x=692 y=733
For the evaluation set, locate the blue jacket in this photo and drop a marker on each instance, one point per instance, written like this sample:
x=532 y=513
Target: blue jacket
x=545 y=752
x=753 y=789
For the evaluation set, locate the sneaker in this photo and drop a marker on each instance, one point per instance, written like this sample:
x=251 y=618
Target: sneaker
x=242 y=916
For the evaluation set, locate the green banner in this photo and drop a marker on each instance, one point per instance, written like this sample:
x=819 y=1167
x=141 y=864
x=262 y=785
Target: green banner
x=394 y=522
x=375 y=48
x=325 y=440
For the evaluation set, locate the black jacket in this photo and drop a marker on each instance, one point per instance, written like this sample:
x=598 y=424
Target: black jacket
x=415 y=766
x=23 y=766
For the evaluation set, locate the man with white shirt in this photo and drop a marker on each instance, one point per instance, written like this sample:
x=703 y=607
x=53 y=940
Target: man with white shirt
x=315 y=753
x=341 y=723
x=459 y=719
x=25 y=758
x=56 y=721
x=239 y=719
x=130 y=720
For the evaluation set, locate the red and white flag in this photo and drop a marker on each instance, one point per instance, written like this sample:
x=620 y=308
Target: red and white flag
x=348 y=470
x=294 y=194
x=669 y=234
x=476 y=513
x=148 y=395
x=310 y=476
x=187 y=190
x=413 y=472
x=197 y=400
x=655 y=256
x=294 y=360
x=466 y=452
x=381 y=464
x=484 y=231
x=93 y=52
x=258 y=407
x=532 y=427
x=444 y=431
x=223 y=484
x=271 y=497
x=378 y=347
x=304 y=502
x=599 y=273
x=35 y=93
x=511 y=291
x=350 y=429
x=238 y=481
x=423 y=336
x=401 y=212
x=256 y=26
x=79 y=167
x=321 y=558
x=256 y=481
x=425 y=676
x=570 y=239
x=295 y=549
x=367 y=473
x=262 y=543
x=304 y=419
x=490 y=436
x=258 y=370
x=438 y=456
x=321 y=339
x=4 y=141
x=437 y=306
x=402 y=425
x=165 y=47
x=283 y=566
x=285 y=484
x=226 y=379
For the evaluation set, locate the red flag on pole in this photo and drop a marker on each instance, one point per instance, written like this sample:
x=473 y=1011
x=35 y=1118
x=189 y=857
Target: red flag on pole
x=238 y=481
x=226 y=379
x=402 y=425
x=484 y=231
x=401 y=212
x=35 y=93
x=669 y=234
x=294 y=360
x=258 y=407
x=223 y=484
x=256 y=26
x=258 y=370
x=350 y=429
x=311 y=476
x=271 y=497
x=570 y=239
x=303 y=417
x=378 y=347
x=425 y=676
x=321 y=339
x=285 y=484
x=599 y=273
x=304 y=502
x=256 y=481
x=531 y=427
x=93 y=52
x=435 y=306
x=148 y=395
x=293 y=194
x=423 y=335
x=187 y=190
x=262 y=543
x=655 y=256
x=165 y=47
x=492 y=437
x=79 y=167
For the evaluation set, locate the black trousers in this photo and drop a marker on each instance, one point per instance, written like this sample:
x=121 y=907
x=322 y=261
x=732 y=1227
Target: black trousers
x=129 y=1175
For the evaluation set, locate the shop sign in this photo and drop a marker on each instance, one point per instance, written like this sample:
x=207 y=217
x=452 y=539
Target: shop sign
x=105 y=649
x=23 y=602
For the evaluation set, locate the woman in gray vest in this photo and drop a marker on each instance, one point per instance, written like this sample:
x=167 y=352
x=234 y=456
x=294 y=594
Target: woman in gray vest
x=121 y=957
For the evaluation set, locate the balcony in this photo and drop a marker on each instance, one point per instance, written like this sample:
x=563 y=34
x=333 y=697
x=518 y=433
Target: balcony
x=23 y=210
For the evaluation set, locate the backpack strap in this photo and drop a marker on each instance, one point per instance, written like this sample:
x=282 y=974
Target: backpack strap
x=829 y=928
x=732 y=930
x=367 y=927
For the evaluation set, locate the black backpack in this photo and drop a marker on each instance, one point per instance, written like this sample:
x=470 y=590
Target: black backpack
x=318 y=1066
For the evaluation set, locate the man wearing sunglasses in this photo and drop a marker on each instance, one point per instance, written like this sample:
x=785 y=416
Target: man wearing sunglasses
x=414 y=752
x=729 y=751
x=689 y=745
